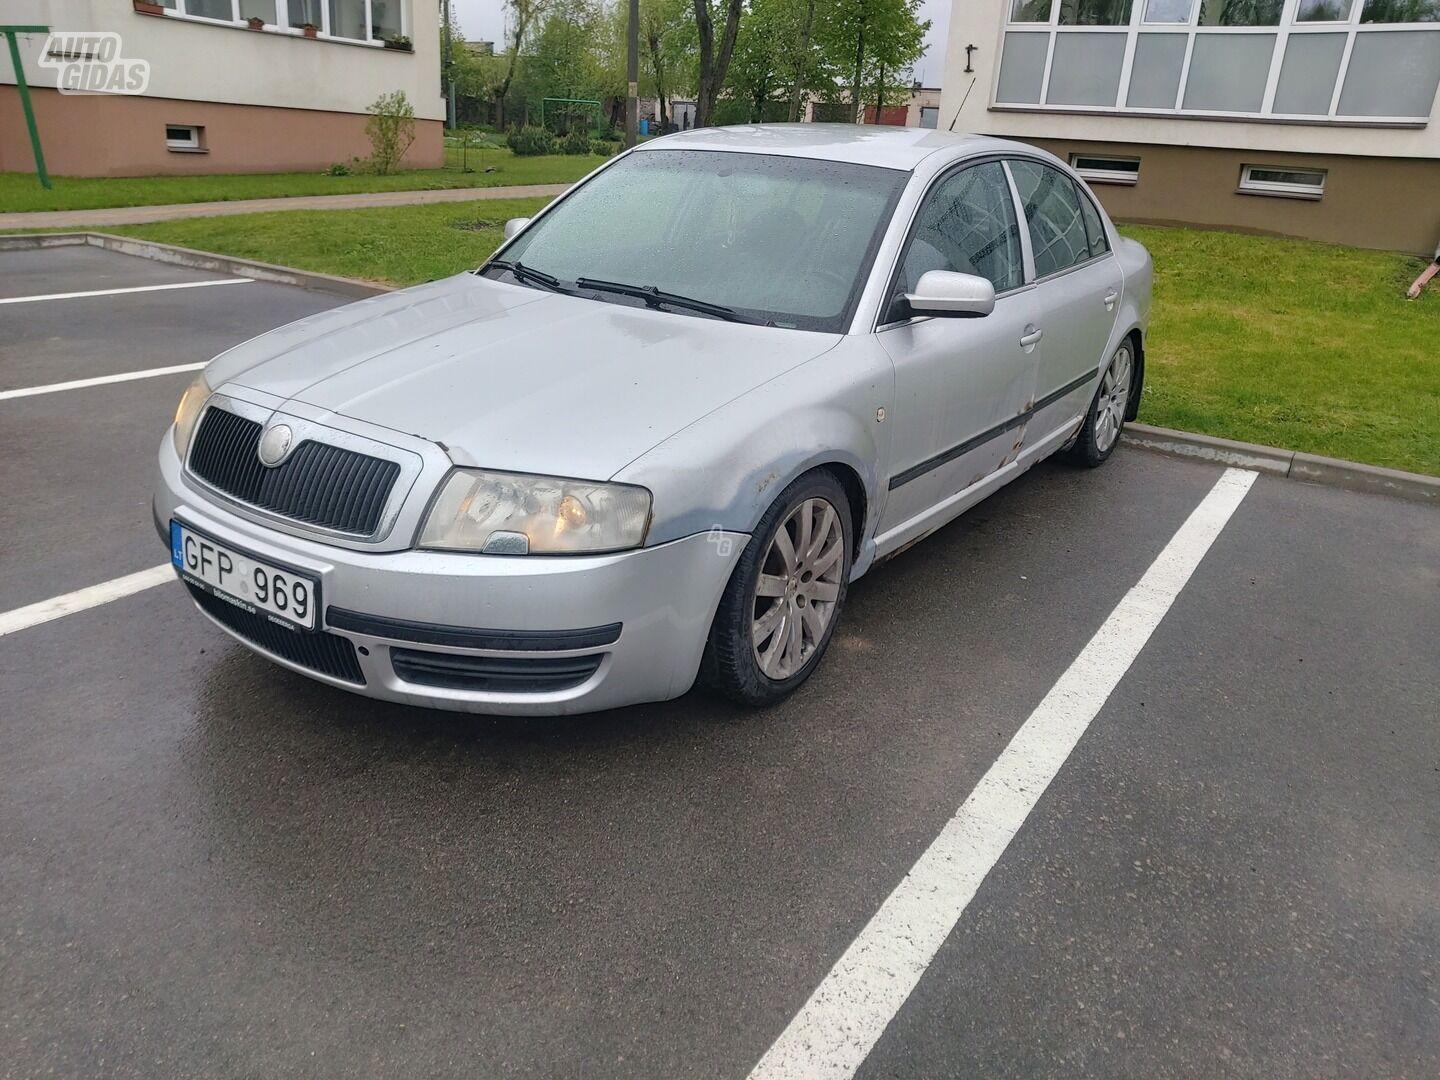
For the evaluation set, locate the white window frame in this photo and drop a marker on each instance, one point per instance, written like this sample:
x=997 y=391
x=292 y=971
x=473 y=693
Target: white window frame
x=1106 y=176
x=179 y=11
x=1352 y=27
x=191 y=144
x=1251 y=186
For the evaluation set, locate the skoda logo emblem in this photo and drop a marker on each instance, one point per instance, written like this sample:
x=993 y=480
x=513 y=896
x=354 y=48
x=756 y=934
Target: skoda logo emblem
x=275 y=444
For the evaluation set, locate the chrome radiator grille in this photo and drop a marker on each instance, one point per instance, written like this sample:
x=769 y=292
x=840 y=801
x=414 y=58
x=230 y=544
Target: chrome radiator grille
x=317 y=484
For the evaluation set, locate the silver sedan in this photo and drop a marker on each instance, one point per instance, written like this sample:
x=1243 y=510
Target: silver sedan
x=657 y=435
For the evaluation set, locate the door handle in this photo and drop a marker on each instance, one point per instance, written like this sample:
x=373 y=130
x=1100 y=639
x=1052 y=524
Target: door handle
x=1031 y=336
x=1110 y=298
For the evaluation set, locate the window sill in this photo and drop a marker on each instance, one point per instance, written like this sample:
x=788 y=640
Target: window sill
x=1140 y=114
x=271 y=30
x=1301 y=196
x=187 y=149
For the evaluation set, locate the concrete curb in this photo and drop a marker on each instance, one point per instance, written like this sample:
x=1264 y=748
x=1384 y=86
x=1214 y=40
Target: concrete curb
x=1292 y=464
x=198 y=260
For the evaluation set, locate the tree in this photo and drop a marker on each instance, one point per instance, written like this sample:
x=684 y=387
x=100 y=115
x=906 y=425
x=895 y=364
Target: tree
x=573 y=56
x=714 y=63
x=524 y=15
x=755 y=68
x=775 y=62
x=881 y=36
x=803 y=61
x=667 y=34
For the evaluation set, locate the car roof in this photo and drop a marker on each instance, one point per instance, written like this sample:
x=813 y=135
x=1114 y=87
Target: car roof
x=862 y=144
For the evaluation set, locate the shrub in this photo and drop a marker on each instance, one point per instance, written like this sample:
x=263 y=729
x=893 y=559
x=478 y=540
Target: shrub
x=391 y=129
x=577 y=142
x=531 y=142
x=602 y=147
x=339 y=169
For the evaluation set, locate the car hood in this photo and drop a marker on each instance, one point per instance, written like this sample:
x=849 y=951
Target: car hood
x=512 y=378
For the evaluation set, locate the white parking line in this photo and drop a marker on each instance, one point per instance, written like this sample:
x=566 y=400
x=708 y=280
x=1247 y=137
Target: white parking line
x=118 y=292
x=835 y=1031
x=89 y=597
x=99 y=380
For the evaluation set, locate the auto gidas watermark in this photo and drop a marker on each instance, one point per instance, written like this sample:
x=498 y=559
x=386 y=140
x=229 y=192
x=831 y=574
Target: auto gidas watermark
x=93 y=63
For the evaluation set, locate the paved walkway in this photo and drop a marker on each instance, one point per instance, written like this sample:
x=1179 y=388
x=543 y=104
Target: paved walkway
x=142 y=215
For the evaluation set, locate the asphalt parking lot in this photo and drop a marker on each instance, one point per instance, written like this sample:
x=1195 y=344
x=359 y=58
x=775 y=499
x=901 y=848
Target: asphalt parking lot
x=211 y=867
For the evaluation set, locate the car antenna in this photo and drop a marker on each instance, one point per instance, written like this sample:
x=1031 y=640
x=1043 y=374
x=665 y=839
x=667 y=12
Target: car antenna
x=962 y=103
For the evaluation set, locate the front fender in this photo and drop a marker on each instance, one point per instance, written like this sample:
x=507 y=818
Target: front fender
x=724 y=470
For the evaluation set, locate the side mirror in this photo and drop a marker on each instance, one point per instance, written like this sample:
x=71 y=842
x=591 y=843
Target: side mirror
x=945 y=293
x=514 y=225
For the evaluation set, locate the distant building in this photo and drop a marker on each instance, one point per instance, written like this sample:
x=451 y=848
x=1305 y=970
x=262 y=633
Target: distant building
x=1312 y=118
x=222 y=97
x=921 y=108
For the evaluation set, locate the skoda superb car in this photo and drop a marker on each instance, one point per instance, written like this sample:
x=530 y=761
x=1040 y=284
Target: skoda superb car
x=656 y=436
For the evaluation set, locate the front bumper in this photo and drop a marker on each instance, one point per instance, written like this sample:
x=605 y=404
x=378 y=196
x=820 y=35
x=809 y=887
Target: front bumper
x=521 y=610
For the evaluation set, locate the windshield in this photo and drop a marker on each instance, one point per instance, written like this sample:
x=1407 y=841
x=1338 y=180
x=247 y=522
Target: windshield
x=768 y=239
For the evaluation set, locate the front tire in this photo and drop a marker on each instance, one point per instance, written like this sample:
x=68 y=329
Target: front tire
x=1100 y=433
x=782 y=603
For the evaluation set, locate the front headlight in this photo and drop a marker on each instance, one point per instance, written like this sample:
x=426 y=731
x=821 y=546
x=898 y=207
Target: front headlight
x=192 y=402
x=512 y=514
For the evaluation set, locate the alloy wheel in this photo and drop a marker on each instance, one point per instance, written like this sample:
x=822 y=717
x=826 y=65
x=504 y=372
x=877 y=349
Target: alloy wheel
x=1114 y=397
x=797 y=588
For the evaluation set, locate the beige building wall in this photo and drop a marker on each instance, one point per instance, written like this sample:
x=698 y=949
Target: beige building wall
x=268 y=100
x=1387 y=203
x=110 y=135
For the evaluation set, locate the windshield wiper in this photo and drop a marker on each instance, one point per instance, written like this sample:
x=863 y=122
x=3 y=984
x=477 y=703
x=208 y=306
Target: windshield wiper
x=654 y=297
x=521 y=272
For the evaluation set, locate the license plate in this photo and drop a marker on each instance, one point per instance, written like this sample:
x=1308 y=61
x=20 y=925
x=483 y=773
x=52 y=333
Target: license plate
x=251 y=584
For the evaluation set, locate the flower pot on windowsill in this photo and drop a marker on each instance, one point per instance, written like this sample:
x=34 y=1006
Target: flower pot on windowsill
x=255 y=23
x=311 y=30
x=145 y=7
x=402 y=44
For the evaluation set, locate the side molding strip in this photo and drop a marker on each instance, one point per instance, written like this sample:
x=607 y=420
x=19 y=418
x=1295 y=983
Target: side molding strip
x=917 y=471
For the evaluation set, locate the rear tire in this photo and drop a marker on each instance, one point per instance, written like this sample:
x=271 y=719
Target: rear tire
x=782 y=603
x=1100 y=433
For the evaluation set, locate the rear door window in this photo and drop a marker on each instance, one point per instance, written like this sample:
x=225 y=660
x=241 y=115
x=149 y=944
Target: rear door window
x=1094 y=227
x=1053 y=212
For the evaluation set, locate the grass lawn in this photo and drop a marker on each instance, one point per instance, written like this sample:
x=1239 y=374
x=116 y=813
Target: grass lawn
x=1282 y=342
x=402 y=245
x=1294 y=344
x=20 y=192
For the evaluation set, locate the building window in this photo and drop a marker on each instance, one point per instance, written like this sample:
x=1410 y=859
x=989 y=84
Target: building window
x=347 y=19
x=258 y=9
x=1253 y=13
x=184 y=137
x=303 y=12
x=1174 y=12
x=220 y=10
x=1316 y=61
x=1106 y=170
x=1030 y=11
x=1322 y=11
x=1400 y=11
x=370 y=21
x=1094 y=12
x=1286 y=183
